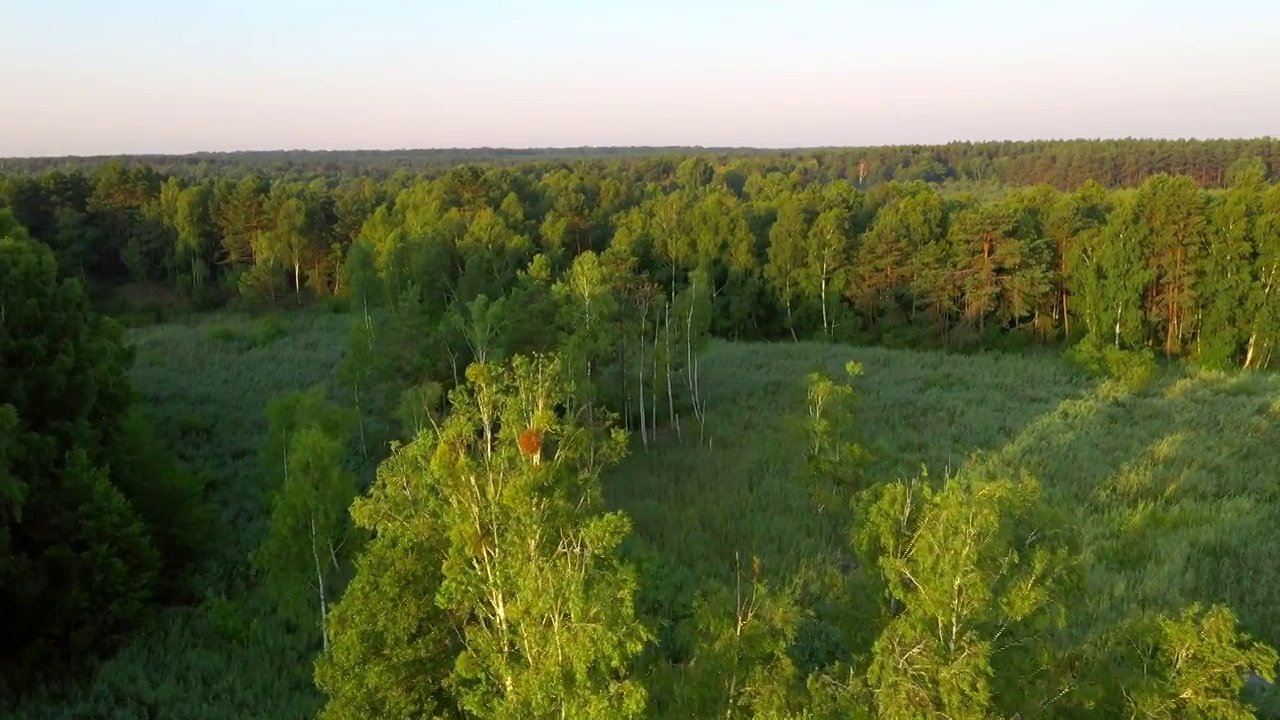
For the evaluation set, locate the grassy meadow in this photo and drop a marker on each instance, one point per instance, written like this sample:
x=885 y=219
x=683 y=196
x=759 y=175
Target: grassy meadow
x=1172 y=488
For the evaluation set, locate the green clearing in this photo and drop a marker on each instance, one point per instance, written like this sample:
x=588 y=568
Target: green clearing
x=1172 y=488
x=697 y=506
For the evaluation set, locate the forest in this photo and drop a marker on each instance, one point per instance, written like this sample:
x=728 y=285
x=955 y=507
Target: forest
x=968 y=431
x=1065 y=164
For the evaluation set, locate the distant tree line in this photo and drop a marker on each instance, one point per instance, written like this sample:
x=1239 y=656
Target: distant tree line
x=1064 y=164
x=1166 y=266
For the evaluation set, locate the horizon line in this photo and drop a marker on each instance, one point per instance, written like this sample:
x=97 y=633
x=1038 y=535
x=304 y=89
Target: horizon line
x=562 y=148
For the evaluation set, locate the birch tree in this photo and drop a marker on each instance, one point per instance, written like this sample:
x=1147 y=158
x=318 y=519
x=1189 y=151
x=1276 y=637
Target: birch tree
x=970 y=596
x=1172 y=208
x=786 y=258
x=1223 y=273
x=828 y=250
x=308 y=527
x=1262 y=309
x=588 y=314
x=308 y=532
x=505 y=500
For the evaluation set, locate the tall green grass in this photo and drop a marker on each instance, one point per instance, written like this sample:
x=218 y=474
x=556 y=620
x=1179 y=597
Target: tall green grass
x=697 y=505
x=1172 y=489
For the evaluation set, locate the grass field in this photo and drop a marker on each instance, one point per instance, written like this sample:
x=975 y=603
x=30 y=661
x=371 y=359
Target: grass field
x=1173 y=488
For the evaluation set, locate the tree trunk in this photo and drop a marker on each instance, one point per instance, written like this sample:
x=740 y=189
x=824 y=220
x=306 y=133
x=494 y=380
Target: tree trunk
x=364 y=448
x=689 y=368
x=644 y=433
x=1252 y=355
x=825 y=325
x=671 y=403
x=1066 y=320
x=284 y=447
x=1172 y=336
x=697 y=403
x=324 y=630
x=653 y=385
x=1119 y=311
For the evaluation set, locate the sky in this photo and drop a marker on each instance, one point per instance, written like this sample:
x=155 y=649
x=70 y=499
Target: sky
x=85 y=77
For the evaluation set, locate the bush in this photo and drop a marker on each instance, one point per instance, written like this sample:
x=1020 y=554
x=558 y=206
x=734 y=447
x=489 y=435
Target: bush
x=264 y=331
x=261 y=282
x=1133 y=369
x=168 y=499
x=222 y=333
x=335 y=304
x=267 y=330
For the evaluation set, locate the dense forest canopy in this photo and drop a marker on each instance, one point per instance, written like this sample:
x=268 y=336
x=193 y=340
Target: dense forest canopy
x=815 y=244
x=435 y=526
x=1061 y=163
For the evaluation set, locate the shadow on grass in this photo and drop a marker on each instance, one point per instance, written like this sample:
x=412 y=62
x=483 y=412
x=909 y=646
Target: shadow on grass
x=1175 y=494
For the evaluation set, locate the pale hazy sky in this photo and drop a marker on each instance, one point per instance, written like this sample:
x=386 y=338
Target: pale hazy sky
x=142 y=76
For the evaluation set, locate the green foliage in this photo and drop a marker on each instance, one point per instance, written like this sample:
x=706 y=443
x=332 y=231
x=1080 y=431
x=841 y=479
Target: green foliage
x=969 y=599
x=1154 y=494
x=1132 y=369
x=741 y=638
x=392 y=646
x=290 y=414
x=625 y=268
x=81 y=520
x=267 y=330
x=505 y=498
x=230 y=655
x=782 y=246
x=1148 y=503
x=309 y=529
x=835 y=459
x=91 y=584
x=554 y=627
x=168 y=498
x=11 y=487
x=588 y=312
x=1193 y=664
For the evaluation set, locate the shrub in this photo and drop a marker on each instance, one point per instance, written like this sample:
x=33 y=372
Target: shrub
x=1133 y=369
x=267 y=330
